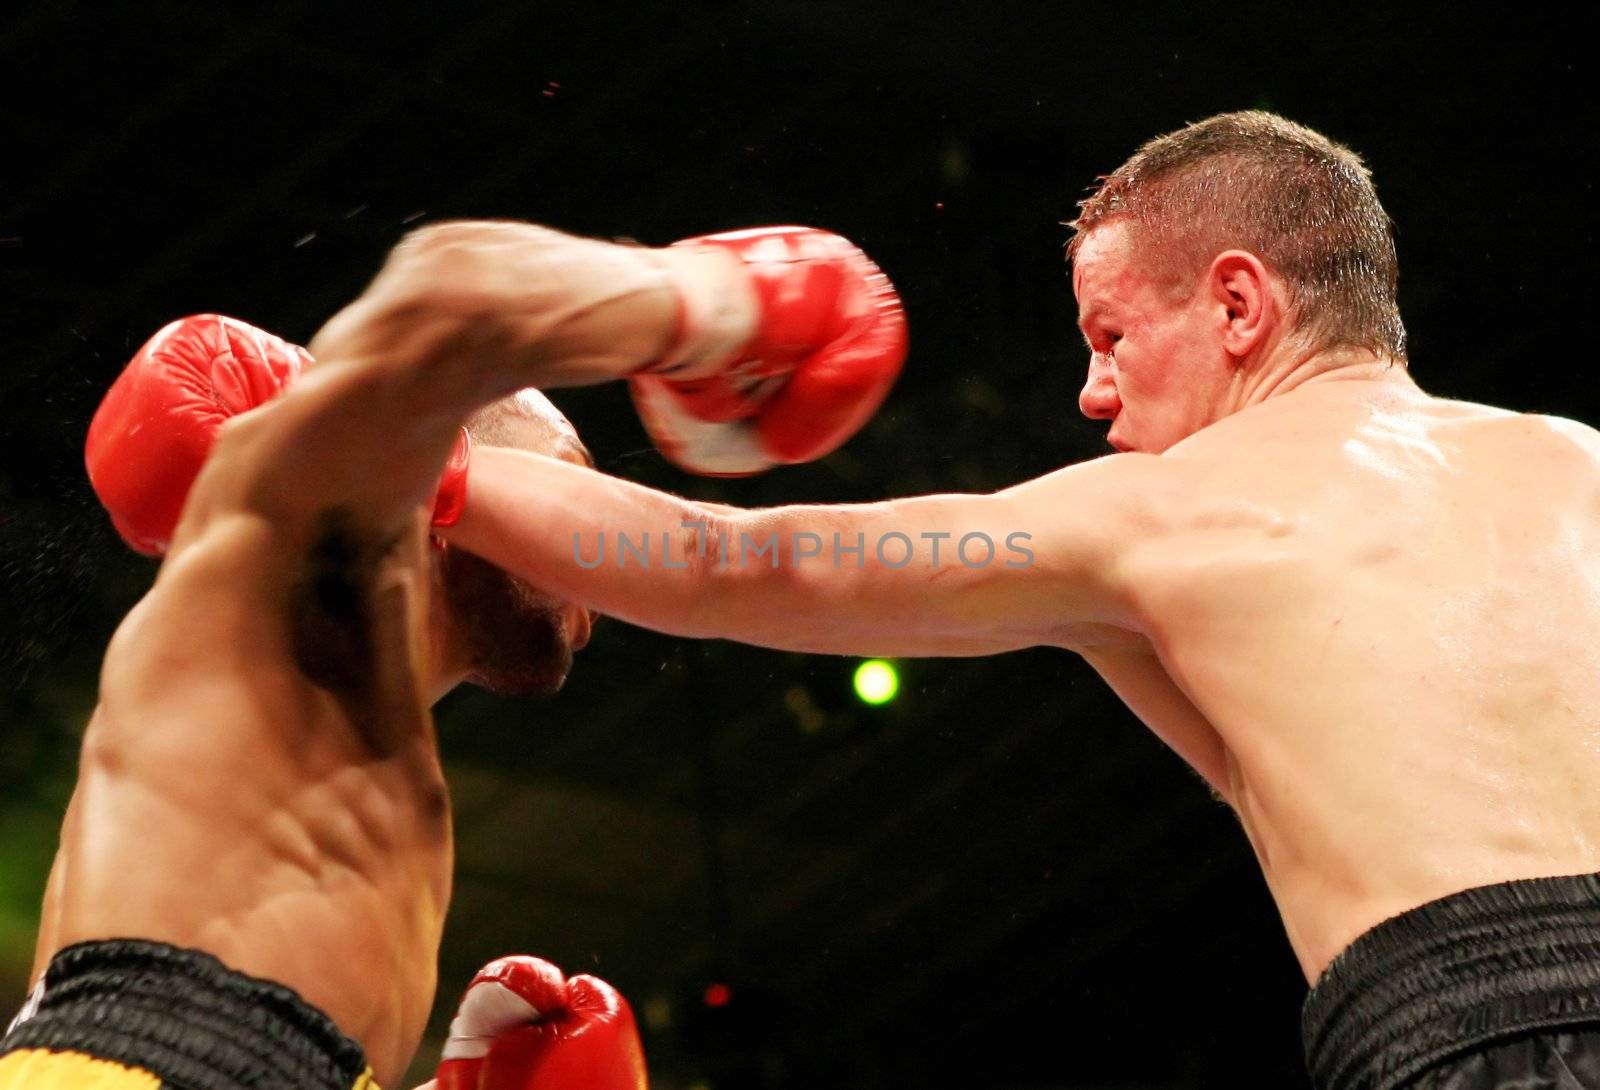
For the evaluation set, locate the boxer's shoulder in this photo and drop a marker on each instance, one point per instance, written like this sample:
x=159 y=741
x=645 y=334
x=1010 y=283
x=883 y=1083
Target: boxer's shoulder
x=1582 y=435
x=1565 y=438
x=1143 y=522
x=206 y=605
x=1523 y=453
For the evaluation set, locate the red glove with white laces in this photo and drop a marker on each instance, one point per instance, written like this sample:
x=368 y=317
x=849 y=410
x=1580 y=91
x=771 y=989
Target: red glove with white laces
x=157 y=424
x=522 y=1025
x=781 y=368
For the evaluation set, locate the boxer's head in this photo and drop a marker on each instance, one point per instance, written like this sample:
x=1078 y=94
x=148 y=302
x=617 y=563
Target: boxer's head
x=1215 y=248
x=516 y=639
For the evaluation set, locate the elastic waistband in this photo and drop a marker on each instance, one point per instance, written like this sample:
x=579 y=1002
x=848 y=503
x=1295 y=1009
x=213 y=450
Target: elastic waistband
x=184 y=1016
x=1452 y=975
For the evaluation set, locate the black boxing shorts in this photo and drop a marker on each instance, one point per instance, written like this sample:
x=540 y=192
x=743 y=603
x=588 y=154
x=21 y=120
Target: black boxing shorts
x=1493 y=987
x=126 y=1014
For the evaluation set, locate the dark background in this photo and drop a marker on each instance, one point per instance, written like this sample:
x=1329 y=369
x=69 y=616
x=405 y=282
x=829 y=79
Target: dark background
x=998 y=881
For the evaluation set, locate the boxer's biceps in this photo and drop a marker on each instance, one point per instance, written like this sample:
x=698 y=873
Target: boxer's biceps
x=1082 y=523
x=952 y=574
x=1023 y=573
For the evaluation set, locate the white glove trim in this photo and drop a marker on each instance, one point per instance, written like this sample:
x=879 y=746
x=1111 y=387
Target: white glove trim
x=487 y=1010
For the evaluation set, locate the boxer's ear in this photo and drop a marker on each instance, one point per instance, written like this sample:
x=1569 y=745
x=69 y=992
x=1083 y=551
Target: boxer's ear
x=1240 y=287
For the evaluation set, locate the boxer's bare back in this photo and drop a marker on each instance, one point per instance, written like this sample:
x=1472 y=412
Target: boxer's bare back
x=260 y=779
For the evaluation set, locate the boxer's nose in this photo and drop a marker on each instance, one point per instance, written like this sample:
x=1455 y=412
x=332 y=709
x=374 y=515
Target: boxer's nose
x=1098 y=399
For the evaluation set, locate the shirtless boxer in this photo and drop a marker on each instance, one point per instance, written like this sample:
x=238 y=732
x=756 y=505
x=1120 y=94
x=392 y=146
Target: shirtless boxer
x=260 y=792
x=255 y=864
x=1366 y=616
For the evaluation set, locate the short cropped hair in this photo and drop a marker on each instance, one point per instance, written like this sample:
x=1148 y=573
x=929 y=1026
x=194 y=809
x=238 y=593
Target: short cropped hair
x=1300 y=202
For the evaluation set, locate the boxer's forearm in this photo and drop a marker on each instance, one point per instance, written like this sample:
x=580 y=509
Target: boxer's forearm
x=475 y=310
x=461 y=315
x=891 y=578
x=625 y=550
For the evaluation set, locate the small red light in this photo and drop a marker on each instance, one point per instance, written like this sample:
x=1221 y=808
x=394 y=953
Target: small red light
x=717 y=995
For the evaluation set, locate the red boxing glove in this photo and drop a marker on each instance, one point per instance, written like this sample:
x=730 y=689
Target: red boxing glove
x=450 y=497
x=522 y=1025
x=825 y=344
x=157 y=424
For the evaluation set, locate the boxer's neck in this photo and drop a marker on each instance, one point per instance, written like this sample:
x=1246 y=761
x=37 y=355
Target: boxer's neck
x=1291 y=367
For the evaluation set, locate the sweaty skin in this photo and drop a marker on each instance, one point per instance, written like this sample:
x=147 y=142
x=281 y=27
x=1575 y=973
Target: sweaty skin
x=1381 y=608
x=228 y=802
x=1366 y=616
x=260 y=779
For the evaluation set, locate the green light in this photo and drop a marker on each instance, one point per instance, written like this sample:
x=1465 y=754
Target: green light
x=876 y=681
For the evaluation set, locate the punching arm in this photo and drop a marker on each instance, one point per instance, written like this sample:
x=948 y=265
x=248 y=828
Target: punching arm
x=956 y=574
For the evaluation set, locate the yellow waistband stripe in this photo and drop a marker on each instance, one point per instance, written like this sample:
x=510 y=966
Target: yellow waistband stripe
x=40 y=1069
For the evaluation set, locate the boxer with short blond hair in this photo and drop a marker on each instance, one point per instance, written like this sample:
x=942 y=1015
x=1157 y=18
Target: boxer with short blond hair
x=1365 y=615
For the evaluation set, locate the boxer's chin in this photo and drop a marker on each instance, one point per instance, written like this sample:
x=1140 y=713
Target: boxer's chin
x=517 y=637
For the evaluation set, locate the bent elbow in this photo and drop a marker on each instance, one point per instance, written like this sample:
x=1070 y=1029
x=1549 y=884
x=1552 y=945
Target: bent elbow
x=422 y=317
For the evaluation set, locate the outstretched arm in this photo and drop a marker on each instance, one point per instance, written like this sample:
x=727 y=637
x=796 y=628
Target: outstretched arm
x=952 y=574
